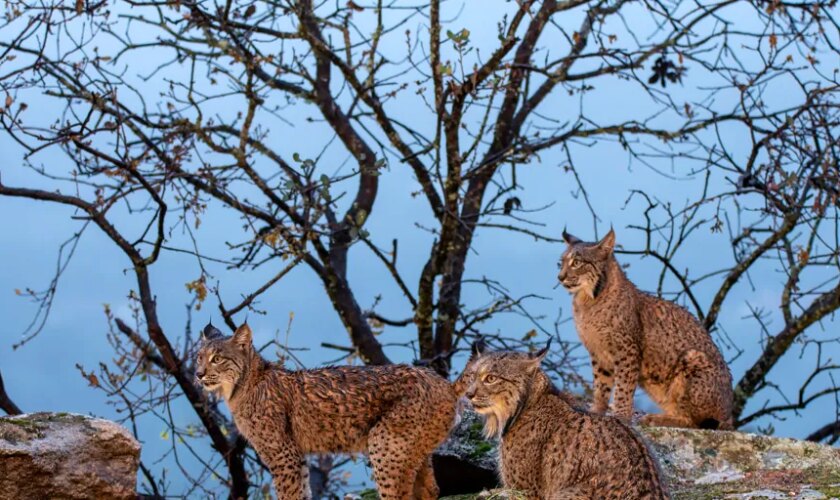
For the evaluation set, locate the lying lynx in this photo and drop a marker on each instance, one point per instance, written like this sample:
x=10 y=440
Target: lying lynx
x=635 y=338
x=397 y=414
x=548 y=449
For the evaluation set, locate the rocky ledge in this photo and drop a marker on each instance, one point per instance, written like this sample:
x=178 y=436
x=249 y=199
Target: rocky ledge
x=700 y=465
x=62 y=455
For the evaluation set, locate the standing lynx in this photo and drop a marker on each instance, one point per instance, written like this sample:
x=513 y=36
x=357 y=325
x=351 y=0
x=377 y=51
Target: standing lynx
x=548 y=449
x=635 y=338
x=398 y=414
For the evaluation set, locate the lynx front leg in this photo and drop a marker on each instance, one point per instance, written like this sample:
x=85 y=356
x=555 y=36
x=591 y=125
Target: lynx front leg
x=602 y=382
x=425 y=487
x=574 y=493
x=561 y=489
x=627 y=368
x=290 y=473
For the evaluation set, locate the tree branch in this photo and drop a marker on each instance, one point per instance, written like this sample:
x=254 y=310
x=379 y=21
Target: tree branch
x=6 y=403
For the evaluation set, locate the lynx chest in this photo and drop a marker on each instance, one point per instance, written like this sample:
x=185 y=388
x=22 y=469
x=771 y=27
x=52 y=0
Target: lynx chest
x=602 y=328
x=521 y=455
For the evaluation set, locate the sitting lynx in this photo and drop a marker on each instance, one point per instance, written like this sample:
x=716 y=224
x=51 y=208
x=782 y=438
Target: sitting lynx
x=635 y=338
x=398 y=414
x=548 y=449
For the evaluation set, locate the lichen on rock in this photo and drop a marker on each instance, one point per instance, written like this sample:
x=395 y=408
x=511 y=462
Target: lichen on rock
x=713 y=464
x=62 y=455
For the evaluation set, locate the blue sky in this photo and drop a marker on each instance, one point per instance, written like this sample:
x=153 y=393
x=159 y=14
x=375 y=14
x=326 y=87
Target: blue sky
x=42 y=375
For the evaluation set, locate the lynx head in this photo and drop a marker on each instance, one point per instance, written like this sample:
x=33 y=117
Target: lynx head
x=497 y=384
x=222 y=362
x=583 y=264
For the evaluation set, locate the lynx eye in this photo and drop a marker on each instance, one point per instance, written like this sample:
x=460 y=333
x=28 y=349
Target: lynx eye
x=213 y=360
x=490 y=379
x=576 y=264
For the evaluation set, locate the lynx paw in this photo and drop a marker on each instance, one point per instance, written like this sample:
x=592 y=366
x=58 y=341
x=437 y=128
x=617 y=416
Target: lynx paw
x=663 y=420
x=597 y=408
x=625 y=414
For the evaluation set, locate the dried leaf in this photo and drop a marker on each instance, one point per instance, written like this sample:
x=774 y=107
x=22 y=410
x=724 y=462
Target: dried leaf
x=773 y=41
x=199 y=288
x=803 y=256
x=818 y=207
x=80 y=6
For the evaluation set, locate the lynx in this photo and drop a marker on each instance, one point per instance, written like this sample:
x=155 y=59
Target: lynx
x=635 y=338
x=548 y=449
x=397 y=414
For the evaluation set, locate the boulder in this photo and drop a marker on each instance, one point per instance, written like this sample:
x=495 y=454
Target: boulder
x=62 y=455
x=698 y=464
x=465 y=462
x=716 y=464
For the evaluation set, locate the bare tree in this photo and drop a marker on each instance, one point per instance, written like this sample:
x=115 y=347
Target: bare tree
x=160 y=144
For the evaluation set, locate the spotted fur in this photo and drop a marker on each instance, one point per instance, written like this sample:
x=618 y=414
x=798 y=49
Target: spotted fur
x=397 y=414
x=548 y=448
x=634 y=338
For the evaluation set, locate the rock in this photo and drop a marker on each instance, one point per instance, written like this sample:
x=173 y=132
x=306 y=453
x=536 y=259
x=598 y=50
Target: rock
x=715 y=464
x=465 y=462
x=61 y=455
x=698 y=464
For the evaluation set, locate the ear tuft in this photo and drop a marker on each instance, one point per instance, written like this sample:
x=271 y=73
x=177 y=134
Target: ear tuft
x=540 y=355
x=479 y=346
x=243 y=336
x=210 y=332
x=608 y=243
x=570 y=239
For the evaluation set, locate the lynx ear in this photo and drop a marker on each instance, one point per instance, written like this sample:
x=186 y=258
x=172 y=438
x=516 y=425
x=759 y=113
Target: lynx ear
x=540 y=355
x=478 y=348
x=243 y=336
x=210 y=332
x=608 y=243
x=570 y=239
